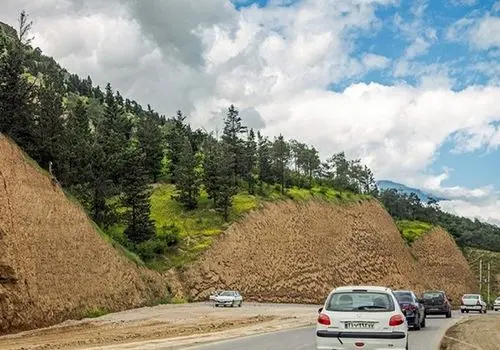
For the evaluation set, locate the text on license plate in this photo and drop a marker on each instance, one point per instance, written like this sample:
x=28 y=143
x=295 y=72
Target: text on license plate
x=359 y=324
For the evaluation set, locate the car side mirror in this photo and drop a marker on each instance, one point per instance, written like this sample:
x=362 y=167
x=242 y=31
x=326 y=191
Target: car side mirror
x=320 y=310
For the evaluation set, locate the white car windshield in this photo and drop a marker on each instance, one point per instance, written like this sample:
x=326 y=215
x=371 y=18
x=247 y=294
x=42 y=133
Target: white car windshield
x=227 y=294
x=360 y=301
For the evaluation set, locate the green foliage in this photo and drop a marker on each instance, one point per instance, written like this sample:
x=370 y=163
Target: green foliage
x=140 y=228
x=92 y=313
x=467 y=232
x=411 y=230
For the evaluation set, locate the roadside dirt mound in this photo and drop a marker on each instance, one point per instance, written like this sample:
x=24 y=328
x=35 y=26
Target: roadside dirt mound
x=53 y=263
x=297 y=252
x=439 y=256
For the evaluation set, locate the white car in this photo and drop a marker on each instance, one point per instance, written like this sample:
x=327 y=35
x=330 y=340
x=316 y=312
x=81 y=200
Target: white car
x=228 y=298
x=496 y=304
x=472 y=302
x=361 y=317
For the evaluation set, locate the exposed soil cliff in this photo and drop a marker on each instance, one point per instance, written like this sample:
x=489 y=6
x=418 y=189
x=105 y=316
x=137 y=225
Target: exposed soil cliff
x=53 y=263
x=292 y=252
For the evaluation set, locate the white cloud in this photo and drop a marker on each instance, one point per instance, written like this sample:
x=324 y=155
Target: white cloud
x=477 y=137
x=485 y=211
x=375 y=61
x=480 y=32
x=275 y=64
x=463 y=2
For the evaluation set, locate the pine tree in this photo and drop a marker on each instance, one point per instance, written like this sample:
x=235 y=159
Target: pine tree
x=235 y=146
x=150 y=137
x=76 y=165
x=16 y=93
x=135 y=198
x=188 y=177
x=264 y=159
x=48 y=130
x=175 y=142
x=108 y=168
x=219 y=183
x=281 y=156
x=250 y=161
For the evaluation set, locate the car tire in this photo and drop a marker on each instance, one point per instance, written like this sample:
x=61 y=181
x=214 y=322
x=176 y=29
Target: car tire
x=462 y=310
x=239 y=305
x=484 y=310
x=417 y=324
x=423 y=323
x=448 y=315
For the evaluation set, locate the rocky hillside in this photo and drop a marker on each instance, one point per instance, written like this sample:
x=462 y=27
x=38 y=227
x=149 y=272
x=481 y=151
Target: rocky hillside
x=292 y=252
x=53 y=263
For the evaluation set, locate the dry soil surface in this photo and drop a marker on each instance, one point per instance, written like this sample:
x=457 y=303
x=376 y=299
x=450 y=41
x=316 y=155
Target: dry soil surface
x=481 y=333
x=296 y=252
x=184 y=324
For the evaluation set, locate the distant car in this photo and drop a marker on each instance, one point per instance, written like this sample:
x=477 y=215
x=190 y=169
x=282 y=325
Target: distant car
x=361 y=317
x=413 y=310
x=228 y=298
x=496 y=304
x=436 y=303
x=214 y=294
x=473 y=302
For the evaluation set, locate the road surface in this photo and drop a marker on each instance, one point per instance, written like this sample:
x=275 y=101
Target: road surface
x=427 y=338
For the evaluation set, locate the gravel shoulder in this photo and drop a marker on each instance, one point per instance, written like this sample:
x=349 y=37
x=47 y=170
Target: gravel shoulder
x=482 y=333
x=173 y=325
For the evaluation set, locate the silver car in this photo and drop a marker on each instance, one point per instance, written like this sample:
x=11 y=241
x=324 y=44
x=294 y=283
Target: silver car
x=228 y=298
x=496 y=304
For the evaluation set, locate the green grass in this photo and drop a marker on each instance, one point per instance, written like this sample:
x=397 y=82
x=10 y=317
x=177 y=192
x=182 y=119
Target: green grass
x=411 y=230
x=198 y=227
x=93 y=313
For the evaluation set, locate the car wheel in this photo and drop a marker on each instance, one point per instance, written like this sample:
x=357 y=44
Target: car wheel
x=462 y=310
x=448 y=315
x=467 y=311
x=417 y=324
x=239 y=305
x=423 y=323
x=484 y=310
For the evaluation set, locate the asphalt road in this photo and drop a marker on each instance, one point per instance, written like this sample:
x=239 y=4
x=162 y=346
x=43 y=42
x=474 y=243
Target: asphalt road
x=427 y=338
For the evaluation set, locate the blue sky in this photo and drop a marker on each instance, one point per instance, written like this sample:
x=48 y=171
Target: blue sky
x=476 y=168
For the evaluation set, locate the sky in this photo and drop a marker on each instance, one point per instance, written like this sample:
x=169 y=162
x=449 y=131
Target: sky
x=412 y=88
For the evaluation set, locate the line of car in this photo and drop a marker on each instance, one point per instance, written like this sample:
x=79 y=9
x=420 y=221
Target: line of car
x=373 y=317
x=376 y=317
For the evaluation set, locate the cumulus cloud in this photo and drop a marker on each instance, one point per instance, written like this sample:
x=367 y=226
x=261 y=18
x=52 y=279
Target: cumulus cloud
x=481 y=33
x=275 y=64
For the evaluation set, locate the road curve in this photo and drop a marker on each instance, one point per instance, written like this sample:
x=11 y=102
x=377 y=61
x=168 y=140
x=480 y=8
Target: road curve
x=427 y=338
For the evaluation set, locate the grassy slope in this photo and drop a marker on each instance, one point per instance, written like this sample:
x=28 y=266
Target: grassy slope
x=411 y=230
x=198 y=227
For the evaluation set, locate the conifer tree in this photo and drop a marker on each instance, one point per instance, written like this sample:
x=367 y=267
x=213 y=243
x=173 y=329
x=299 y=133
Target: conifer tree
x=150 y=137
x=234 y=144
x=188 y=176
x=135 y=198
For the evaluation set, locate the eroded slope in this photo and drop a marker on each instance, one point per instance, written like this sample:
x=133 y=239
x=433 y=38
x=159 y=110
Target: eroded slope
x=53 y=263
x=292 y=252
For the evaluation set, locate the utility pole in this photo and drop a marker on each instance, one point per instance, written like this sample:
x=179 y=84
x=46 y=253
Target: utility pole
x=489 y=279
x=480 y=275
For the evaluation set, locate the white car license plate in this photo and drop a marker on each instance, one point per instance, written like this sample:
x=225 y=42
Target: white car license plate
x=358 y=325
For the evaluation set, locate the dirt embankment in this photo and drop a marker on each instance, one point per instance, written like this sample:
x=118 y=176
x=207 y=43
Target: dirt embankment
x=297 y=252
x=481 y=333
x=53 y=263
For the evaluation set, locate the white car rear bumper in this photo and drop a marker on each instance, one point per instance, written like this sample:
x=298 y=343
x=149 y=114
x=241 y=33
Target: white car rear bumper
x=328 y=340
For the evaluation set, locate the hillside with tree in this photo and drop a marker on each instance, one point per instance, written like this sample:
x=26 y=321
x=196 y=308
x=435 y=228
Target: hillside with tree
x=161 y=188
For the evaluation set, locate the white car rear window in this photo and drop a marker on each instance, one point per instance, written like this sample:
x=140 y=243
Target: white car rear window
x=360 y=301
x=471 y=296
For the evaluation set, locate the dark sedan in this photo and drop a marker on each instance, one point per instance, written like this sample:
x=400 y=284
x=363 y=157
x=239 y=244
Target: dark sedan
x=413 y=310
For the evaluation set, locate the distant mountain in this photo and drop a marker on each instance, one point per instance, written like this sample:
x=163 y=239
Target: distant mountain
x=424 y=196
